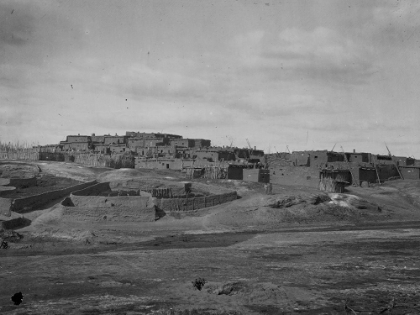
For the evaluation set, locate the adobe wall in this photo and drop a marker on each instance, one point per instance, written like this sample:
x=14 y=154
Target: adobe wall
x=251 y=175
x=300 y=158
x=132 y=202
x=235 y=173
x=365 y=175
x=85 y=204
x=173 y=164
x=124 y=214
x=318 y=158
x=410 y=172
x=22 y=182
x=387 y=171
x=22 y=205
x=89 y=198
x=291 y=176
x=187 y=204
x=256 y=175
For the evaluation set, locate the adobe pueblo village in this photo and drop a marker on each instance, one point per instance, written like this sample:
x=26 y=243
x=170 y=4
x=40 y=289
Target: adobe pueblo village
x=153 y=223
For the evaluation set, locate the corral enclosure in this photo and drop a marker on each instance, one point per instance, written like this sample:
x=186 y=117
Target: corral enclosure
x=121 y=201
x=100 y=202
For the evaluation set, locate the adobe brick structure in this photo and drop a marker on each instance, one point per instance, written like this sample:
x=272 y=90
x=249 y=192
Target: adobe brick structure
x=256 y=175
x=183 y=143
x=319 y=159
x=410 y=172
x=300 y=158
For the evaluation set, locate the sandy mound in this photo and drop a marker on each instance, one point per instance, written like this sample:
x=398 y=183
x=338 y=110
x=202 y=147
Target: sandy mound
x=262 y=211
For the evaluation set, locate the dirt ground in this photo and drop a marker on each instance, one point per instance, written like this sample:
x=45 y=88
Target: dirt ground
x=297 y=251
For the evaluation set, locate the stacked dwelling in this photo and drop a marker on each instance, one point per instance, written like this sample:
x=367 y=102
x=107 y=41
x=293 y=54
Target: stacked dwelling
x=168 y=151
x=199 y=158
x=356 y=168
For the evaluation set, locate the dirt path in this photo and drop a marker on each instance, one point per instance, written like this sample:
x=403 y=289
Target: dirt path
x=270 y=273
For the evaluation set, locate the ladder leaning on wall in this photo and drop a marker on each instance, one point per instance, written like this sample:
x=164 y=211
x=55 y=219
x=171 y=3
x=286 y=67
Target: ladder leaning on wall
x=349 y=167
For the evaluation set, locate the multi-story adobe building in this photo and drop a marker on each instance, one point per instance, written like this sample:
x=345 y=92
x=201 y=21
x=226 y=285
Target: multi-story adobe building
x=108 y=139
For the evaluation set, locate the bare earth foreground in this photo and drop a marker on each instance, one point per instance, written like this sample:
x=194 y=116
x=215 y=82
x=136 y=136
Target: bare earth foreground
x=294 y=252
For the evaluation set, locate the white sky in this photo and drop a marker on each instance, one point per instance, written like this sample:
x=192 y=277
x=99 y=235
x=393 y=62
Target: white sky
x=307 y=74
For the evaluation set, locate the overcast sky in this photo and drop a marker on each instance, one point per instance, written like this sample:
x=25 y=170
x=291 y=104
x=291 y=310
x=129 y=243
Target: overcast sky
x=307 y=74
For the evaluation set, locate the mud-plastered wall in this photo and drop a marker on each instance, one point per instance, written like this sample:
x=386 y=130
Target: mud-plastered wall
x=134 y=202
x=88 y=198
x=85 y=204
x=116 y=213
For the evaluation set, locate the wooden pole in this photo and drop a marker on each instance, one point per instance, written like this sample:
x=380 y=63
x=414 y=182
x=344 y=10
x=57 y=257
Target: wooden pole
x=348 y=165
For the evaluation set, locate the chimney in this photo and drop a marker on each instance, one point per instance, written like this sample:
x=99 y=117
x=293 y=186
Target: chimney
x=255 y=148
x=93 y=134
x=354 y=150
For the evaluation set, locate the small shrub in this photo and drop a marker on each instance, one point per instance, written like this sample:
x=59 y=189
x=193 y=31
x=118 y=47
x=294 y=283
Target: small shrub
x=199 y=283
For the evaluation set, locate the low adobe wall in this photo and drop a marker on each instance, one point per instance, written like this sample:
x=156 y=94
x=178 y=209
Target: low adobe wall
x=135 y=202
x=86 y=204
x=89 y=198
x=22 y=205
x=118 y=214
x=186 y=204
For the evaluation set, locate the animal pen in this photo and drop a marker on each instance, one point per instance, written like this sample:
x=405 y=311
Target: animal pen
x=210 y=172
